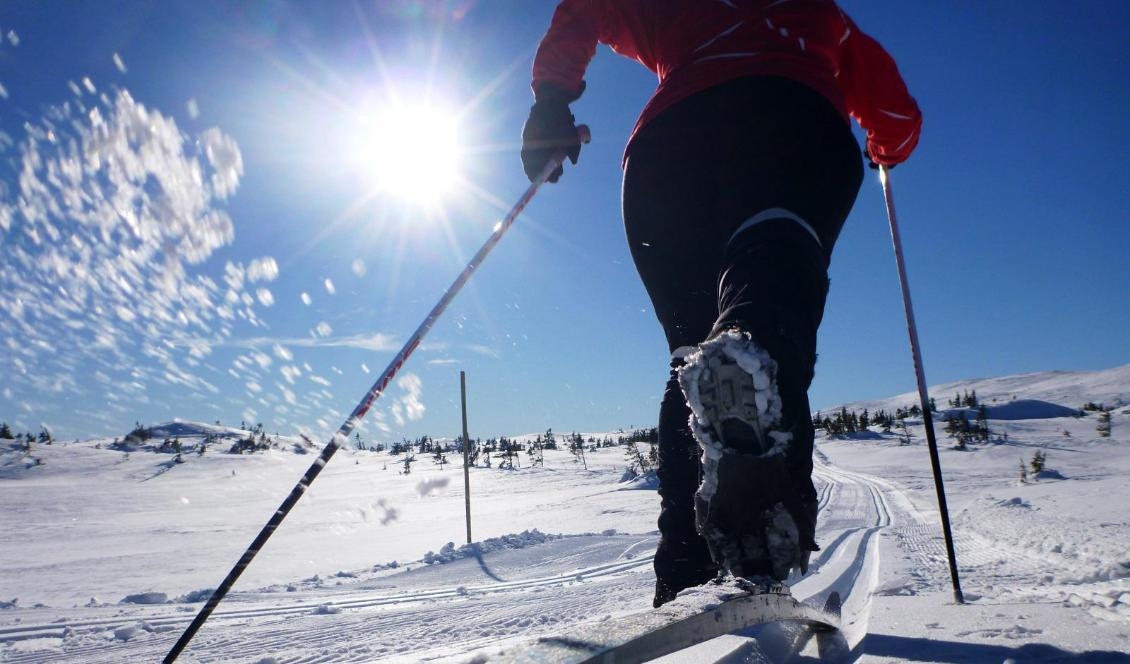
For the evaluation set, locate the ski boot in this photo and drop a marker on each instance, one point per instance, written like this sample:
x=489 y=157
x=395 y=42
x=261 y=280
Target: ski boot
x=746 y=507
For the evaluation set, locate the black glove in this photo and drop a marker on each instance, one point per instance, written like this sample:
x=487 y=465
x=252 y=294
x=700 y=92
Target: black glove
x=550 y=129
x=871 y=163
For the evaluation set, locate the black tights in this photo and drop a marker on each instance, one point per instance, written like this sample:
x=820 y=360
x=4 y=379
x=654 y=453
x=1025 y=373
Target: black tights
x=695 y=175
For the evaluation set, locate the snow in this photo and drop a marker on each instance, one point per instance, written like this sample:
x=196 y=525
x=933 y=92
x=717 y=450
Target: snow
x=116 y=209
x=109 y=551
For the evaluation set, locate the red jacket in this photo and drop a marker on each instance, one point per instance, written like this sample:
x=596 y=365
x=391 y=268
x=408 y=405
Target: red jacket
x=696 y=44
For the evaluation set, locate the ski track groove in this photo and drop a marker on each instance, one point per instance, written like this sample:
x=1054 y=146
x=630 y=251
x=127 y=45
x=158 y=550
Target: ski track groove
x=855 y=522
x=401 y=614
x=854 y=508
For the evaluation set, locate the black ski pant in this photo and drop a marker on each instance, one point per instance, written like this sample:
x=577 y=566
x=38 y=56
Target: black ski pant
x=765 y=150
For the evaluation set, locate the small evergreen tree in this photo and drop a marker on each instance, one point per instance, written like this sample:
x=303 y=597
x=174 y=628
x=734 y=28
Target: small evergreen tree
x=637 y=462
x=6 y=432
x=577 y=447
x=509 y=452
x=139 y=434
x=1104 y=424
x=981 y=426
x=1038 y=462
x=904 y=432
x=1023 y=473
x=537 y=458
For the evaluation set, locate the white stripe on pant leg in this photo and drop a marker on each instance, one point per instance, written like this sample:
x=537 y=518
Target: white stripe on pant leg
x=775 y=213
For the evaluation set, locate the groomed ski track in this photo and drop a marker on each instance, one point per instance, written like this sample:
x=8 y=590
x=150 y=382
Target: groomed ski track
x=478 y=606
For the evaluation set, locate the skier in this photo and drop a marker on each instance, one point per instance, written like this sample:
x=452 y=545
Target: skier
x=738 y=177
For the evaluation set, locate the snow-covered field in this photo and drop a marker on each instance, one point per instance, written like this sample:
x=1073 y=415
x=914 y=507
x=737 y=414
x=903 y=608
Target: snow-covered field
x=107 y=555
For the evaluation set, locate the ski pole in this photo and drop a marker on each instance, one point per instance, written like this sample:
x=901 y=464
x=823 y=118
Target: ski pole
x=920 y=375
x=342 y=436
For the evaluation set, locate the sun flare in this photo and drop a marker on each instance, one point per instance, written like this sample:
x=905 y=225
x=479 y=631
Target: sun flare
x=410 y=152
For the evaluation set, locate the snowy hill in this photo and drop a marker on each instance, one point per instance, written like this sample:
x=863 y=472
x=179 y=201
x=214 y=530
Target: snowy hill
x=1069 y=389
x=108 y=553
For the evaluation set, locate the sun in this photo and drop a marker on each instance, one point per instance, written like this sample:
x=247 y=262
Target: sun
x=410 y=152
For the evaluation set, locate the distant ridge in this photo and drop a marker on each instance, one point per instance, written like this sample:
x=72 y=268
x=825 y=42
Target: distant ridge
x=1070 y=389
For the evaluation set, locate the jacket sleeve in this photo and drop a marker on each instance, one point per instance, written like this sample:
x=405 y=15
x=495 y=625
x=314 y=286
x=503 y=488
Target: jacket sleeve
x=877 y=97
x=568 y=46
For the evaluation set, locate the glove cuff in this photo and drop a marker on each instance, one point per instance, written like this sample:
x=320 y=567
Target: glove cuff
x=550 y=93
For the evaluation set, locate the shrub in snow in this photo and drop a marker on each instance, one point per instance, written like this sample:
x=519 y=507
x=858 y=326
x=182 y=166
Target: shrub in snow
x=1103 y=427
x=250 y=445
x=170 y=446
x=326 y=610
x=139 y=434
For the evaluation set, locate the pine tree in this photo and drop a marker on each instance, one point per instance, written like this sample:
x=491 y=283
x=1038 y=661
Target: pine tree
x=981 y=430
x=637 y=462
x=6 y=432
x=577 y=447
x=904 y=432
x=509 y=453
x=537 y=456
x=1104 y=424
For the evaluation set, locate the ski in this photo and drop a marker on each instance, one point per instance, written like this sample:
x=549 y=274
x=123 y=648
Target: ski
x=696 y=616
x=830 y=643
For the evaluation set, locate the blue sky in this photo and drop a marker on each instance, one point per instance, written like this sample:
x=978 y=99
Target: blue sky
x=1014 y=214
